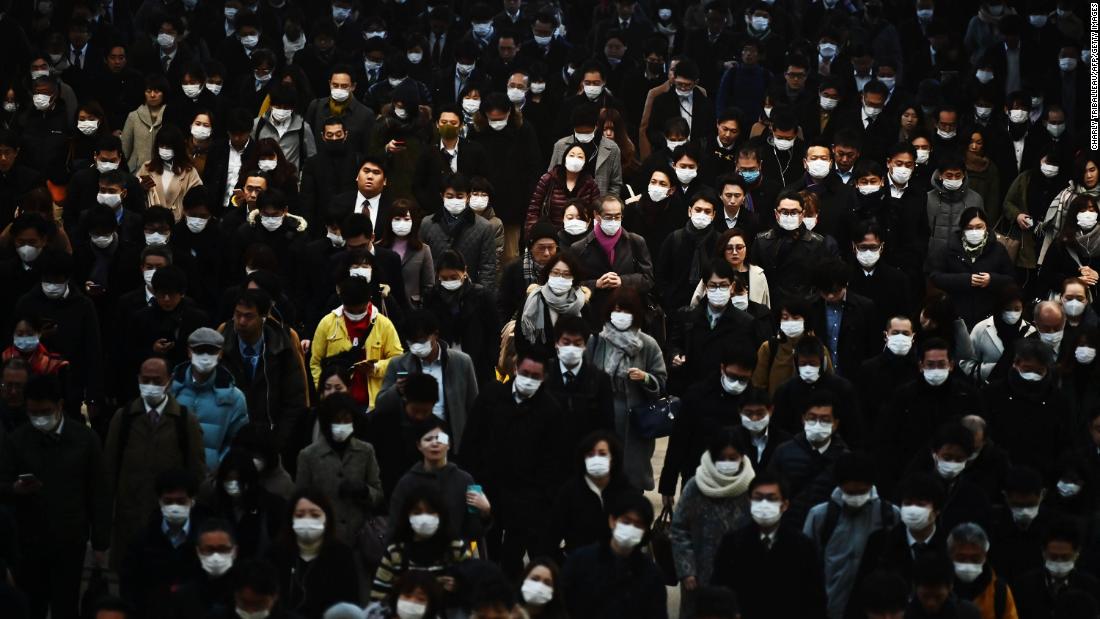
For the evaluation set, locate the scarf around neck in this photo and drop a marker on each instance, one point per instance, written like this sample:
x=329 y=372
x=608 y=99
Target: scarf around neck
x=533 y=319
x=715 y=485
x=624 y=345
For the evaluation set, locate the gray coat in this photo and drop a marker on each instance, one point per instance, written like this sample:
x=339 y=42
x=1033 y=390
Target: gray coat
x=138 y=135
x=351 y=482
x=296 y=142
x=418 y=271
x=459 y=386
x=476 y=242
x=844 y=548
x=609 y=163
x=944 y=209
x=698 y=525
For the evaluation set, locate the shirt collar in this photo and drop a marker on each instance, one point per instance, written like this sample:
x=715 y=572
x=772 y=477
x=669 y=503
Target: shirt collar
x=159 y=407
x=576 y=371
x=910 y=540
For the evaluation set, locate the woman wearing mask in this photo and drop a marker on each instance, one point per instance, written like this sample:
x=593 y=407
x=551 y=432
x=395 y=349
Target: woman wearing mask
x=578 y=516
x=169 y=175
x=1085 y=179
x=342 y=468
x=570 y=180
x=922 y=171
x=467 y=314
x=469 y=99
x=315 y=570
x=143 y=124
x=733 y=247
x=199 y=141
x=1076 y=251
x=538 y=591
x=402 y=235
x=712 y=503
x=652 y=214
x=560 y=295
x=1079 y=370
x=972 y=267
x=481 y=202
x=268 y=158
x=636 y=366
x=236 y=494
x=615 y=129
x=775 y=357
x=994 y=339
x=521 y=275
x=258 y=441
x=576 y=223
x=26 y=345
x=421 y=542
x=416 y=595
x=982 y=172
x=468 y=510
x=1026 y=203
x=91 y=124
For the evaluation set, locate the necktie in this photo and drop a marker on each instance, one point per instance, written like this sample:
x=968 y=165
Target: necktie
x=154 y=417
x=436 y=50
x=250 y=356
x=76 y=59
x=767 y=542
x=165 y=60
x=569 y=377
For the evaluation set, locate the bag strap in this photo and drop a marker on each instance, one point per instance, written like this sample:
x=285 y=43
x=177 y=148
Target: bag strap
x=1000 y=598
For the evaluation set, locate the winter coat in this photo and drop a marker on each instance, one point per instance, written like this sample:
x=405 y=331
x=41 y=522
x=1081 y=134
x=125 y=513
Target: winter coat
x=808 y=471
x=988 y=349
x=514 y=164
x=859 y=334
x=787 y=260
x=773 y=369
x=1016 y=203
x=472 y=237
x=683 y=258
x=1028 y=421
x=1054 y=220
x=218 y=404
x=1061 y=262
x=311 y=588
x=171 y=197
x=944 y=209
x=609 y=163
x=297 y=142
x=459 y=386
x=468 y=318
x=598 y=584
x=331 y=339
x=706 y=409
x=452 y=484
x=579 y=516
x=703 y=345
x=349 y=479
x=551 y=196
x=698 y=525
x=949 y=269
x=790 y=398
x=138 y=135
x=632 y=263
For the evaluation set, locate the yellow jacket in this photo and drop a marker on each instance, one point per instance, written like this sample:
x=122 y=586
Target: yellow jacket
x=331 y=339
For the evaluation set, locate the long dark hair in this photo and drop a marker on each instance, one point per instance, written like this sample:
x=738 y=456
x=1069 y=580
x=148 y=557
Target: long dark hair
x=240 y=462
x=1069 y=223
x=170 y=136
x=287 y=539
x=403 y=533
x=556 y=605
x=285 y=172
x=590 y=441
x=400 y=208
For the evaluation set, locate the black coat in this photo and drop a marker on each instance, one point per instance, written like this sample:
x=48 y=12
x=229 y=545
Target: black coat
x=888 y=549
x=325 y=175
x=586 y=405
x=80 y=196
x=808 y=472
x=435 y=166
x=153 y=568
x=877 y=379
x=836 y=206
x=76 y=338
x=683 y=258
x=655 y=221
x=706 y=409
x=789 y=401
x=950 y=271
x=966 y=501
x=1017 y=549
x=784 y=581
x=394 y=437
x=1028 y=421
x=216 y=172
x=579 y=516
x=1036 y=598
x=667 y=106
x=329 y=579
x=468 y=317
x=788 y=259
x=888 y=289
x=15 y=184
x=153 y=323
x=632 y=263
x=703 y=346
x=599 y=584
x=515 y=164
x=860 y=334
x=205 y=270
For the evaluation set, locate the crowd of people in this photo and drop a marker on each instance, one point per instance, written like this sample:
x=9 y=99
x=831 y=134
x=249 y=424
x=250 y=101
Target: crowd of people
x=380 y=308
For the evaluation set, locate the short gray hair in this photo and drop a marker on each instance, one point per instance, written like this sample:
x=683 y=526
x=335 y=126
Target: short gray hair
x=1039 y=307
x=968 y=533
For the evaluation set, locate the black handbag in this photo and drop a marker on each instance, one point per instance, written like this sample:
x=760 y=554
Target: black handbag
x=655 y=419
x=660 y=543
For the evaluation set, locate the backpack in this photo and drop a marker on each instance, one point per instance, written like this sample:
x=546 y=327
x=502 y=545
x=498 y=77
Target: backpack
x=181 y=436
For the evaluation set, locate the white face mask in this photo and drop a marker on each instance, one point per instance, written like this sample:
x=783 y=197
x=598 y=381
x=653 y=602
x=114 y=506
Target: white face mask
x=41 y=102
x=166 y=154
x=204 y=363
x=575 y=227
x=464 y=69
x=1017 y=116
x=945 y=134
x=923 y=155
x=516 y=95
x=809 y=222
x=728 y=468
x=597 y=466
x=1052 y=339
x=570 y=356
x=915 y=517
x=498 y=125
x=87 y=127
x=686 y=175
x=471 y=105
x=309 y=530
x=267 y=165
x=871 y=112
x=899 y=344
x=401 y=227
x=1074 y=308
x=175 y=514
x=250 y=41
x=335 y=239
x=424 y=525
x=1050 y=171
x=936 y=376
x=1068 y=489
x=948 y=469
x=610 y=227
x=766 y=513
x=790 y=222
x=622 y=320
x=281 y=114
x=700 y=221
x=526 y=386
x=109 y=199
x=359 y=316
x=1086 y=220
x=28 y=253
x=272 y=223
x=1059 y=569
x=106 y=166
x=408 y=609
x=341 y=431
x=1084 y=354
x=755 y=426
x=817 y=432
x=153 y=395
x=217 y=563
x=200 y=132
x=574 y=164
x=192 y=90
x=783 y=144
x=414 y=57
x=868 y=258
x=479 y=203
x=867 y=190
x=826 y=103
x=421 y=349
x=1024 y=515
x=734 y=386
x=819 y=168
x=593 y=92
x=454 y=206
x=451 y=284
x=952 y=184
x=809 y=373
x=674 y=144
x=792 y=328
x=45 y=423
x=538 y=88
x=559 y=285
x=900 y=174
x=719 y=297
x=759 y=23
x=255 y=614
x=968 y=572
x=536 y=593
x=214 y=88
x=1011 y=318
x=627 y=535
x=339 y=95
x=399 y=112
x=657 y=193
x=974 y=237
x=54 y=291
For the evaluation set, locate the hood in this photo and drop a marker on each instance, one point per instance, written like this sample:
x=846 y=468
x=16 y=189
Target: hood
x=223 y=380
x=837 y=496
x=947 y=195
x=300 y=223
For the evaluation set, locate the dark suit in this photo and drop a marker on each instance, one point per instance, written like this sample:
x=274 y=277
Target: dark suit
x=435 y=166
x=324 y=176
x=344 y=205
x=669 y=105
x=887 y=288
x=858 y=336
x=586 y=406
x=447 y=84
x=216 y=173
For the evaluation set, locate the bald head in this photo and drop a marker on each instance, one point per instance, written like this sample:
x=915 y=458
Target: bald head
x=1049 y=317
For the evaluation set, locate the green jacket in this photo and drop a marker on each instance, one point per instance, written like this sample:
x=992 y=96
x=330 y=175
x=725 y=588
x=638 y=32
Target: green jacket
x=1016 y=203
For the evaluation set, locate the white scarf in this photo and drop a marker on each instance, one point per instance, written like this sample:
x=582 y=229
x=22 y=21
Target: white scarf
x=715 y=485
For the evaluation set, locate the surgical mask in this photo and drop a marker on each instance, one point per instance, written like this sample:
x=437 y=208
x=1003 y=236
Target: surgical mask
x=974 y=237
x=414 y=57
x=1074 y=308
x=570 y=356
x=196 y=224
x=809 y=373
x=339 y=94
x=464 y=69
x=871 y=112
x=983 y=112
x=230 y=12
x=87 y=127
x=365 y=273
x=936 y=376
x=734 y=386
x=750 y=176
x=451 y=285
x=372 y=65
x=855 y=501
x=889 y=83
x=399 y=112
x=1051 y=339
x=1068 y=489
x=1050 y=171
x=817 y=431
x=340 y=14
x=1084 y=354
x=947 y=135
x=200 y=132
x=622 y=320
x=597 y=466
x=759 y=23
x=424 y=525
x=204 y=363
x=1011 y=318
x=765 y=513
x=592 y=92
x=165 y=154
x=192 y=90
x=984 y=76
x=479 y=203
x=25 y=343
x=271 y=224
x=105 y=166
x=827 y=50
x=1017 y=116
x=610 y=227
x=740 y=301
x=819 y=168
x=471 y=105
x=1086 y=219
x=792 y=328
x=175 y=514
x=148 y=277
x=454 y=206
x=374 y=34
x=335 y=239
x=1059 y=569
x=498 y=125
x=1037 y=20
x=280 y=114
x=948 y=469
x=341 y=431
x=755 y=426
x=900 y=174
x=421 y=349
x=783 y=144
x=152 y=394
x=899 y=344
x=915 y=516
x=584 y=138
x=527 y=386
x=538 y=88
x=627 y=535
x=401 y=227
x=674 y=144
x=516 y=95
x=924 y=154
x=250 y=41
x=867 y=190
x=1024 y=515
x=826 y=103
x=701 y=220
x=574 y=164
x=536 y=593
x=657 y=193
x=256 y=614
x=559 y=285
x=45 y=423
x=408 y=609
x=728 y=468
x=1067 y=64
x=54 y=291
x=968 y=572
x=109 y=199
x=309 y=530
x=542 y=41
x=868 y=258
x=952 y=184
x=789 y=222
x=809 y=222
x=214 y=88
x=41 y=102
x=575 y=227
x=217 y=563
x=10 y=106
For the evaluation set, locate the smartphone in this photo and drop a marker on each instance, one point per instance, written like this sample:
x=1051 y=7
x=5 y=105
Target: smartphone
x=402 y=373
x=473 y=488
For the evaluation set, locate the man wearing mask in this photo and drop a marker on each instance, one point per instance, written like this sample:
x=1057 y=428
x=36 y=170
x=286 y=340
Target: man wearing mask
x=57 y=463
x=452 y=153
x=83 y=189
x=453 y=371
x=756 y=416
x=921 y=497
x=952 y=448
x=975 y=579
x=216 y=547
x=1019 y=524
x=207 y=390
x=355 y=119
x=162 y=328
x=846 y=321
x=946 y=142
x=875 y=278
x=686 y=100
x=836 y=200
x=771 y=566
x=450 y=81
x=1015 y=147
x=781 y=147
x=896 y=365
x=788 y=251
x=761 y=189
x=867 y=119
x=323 y=175
x=31 y=233
x=949 y=197
x=460 y=229
x=271 y=225
x=147 y=437
x=506 y=449
x=1037 y=591
x=1050 y=322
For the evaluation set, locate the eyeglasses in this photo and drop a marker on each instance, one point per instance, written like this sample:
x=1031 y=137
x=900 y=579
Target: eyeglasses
x=717 y=287
x=735 y=248
x=789 y=212
x=560 y=273
x=611 y=217
x=795 y=76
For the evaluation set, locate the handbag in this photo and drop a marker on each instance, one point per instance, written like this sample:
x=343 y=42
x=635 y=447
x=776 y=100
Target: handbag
x=371 y=541
x=655 y=419
x=1009 y=238
x=660 y=544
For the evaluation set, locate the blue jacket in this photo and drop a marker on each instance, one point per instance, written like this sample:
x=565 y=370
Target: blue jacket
x=218 y=404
